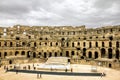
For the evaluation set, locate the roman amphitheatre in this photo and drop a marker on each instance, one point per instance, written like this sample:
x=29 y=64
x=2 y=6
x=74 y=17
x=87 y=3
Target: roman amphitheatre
x=59 y=52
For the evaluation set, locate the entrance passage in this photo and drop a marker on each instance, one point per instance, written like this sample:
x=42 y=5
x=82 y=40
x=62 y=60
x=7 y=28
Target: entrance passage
x=110 y=65
x=10 y=61
x=90 y=54
x=96 y=55
x=45 y=55
x=28 y=54
x=103 y=53
x=109 y=53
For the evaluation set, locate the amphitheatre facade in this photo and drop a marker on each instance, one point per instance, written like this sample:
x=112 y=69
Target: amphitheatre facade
x=20 y=44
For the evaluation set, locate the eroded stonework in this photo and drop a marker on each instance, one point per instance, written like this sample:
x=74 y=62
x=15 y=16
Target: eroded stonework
x=21 y=43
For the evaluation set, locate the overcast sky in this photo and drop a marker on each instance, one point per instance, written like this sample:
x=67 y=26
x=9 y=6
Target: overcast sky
x=92 y=13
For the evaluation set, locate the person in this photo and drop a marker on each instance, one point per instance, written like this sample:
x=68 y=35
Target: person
x=37 y=75
x=6 y=69
x=29 y=67
x=40 y=75
x=103 y=74
x=66 y=70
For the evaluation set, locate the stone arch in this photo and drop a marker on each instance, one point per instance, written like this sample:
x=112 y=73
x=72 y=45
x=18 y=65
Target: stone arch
x=117 y=54
x=103 y=44
x=23 y=43
x=16 y=53
x=11 y=44
x=34 y=54
x=35 y=44
x=23 y=53
x=55 y=54
x=84 y=51
x=110 y=65
x=5 y=54
x=73 y=44
x=89 y=54
x=96 y=43
x=117 y=44
x=50 y=43
x=28 y=54
x=10 y=62
x=110 y=44
x=61 y=54
x=56 y=43
x=84 y=44
x=45 y=55
x=103 y=52
x=73 y=53
x=78 y=43
x=109 y=53
x=67 y=53
x=0 y=54
x=50 y=54
x=96 y=54
x=67 y=44
x=90 y=44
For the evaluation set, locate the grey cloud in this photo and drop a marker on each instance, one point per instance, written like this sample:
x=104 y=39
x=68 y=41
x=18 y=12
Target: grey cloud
x=92 y=13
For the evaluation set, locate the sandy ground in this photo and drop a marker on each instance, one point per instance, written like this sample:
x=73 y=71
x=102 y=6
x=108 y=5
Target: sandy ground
x=111 y=74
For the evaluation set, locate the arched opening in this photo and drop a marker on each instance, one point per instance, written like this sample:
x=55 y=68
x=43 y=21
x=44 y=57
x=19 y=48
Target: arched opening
x=103 y=53
x=67 y=44
x=110 y=65
x=84 y=44
x=11 y=44
x=67 y=53
x=10 y=61
x=0 y=54
x=96 y=55
x=34 y=55
x=23 y=53
x=111 y=37
x=61 y=54
x=50 y=43
x=16 y=53
x=56 y=44
x=90 y=54
x=5 y=54
x=117 y=54
x=23 y=43
x=50 y=54
x=110 y=44
x=90 y=44
x=72 y=44
x=55 y=54
x=28 y=54
x=68 y=60
x=73 y=53
x=109 y=53
x=78 y=43
x=84 y=51
x=45 y=55
x=103 y=44
x=96 y=44
x=117 y=44
x=35 y=44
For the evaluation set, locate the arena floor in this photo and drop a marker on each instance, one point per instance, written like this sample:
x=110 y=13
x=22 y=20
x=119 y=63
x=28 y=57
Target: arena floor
x=111 y=74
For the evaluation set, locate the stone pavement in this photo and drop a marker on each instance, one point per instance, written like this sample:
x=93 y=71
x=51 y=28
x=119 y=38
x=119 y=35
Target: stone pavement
x=111 y=74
